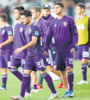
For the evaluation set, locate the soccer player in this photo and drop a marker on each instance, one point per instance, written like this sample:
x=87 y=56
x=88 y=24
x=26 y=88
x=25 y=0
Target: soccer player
x=44 y=29
x=64 y=31
x=6 y=37
x=35 y=56
x=48 y=17
x=83 y=27
x=19 y=41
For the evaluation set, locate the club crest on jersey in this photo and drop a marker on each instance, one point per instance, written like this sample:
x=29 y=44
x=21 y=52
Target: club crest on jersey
x=3 y=31
x=65 y=23
x=21 y=29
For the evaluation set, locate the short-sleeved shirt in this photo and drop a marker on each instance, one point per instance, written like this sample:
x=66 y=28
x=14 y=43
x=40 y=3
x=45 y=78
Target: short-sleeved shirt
x=4 y=33
x=36 y=50
x=19 y=40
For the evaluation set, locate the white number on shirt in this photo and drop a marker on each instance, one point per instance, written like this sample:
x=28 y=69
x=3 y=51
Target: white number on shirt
x=71 y=60
x=85 y=54
x=40 y=64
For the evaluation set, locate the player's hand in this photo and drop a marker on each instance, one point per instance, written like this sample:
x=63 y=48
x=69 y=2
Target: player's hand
x=1 y=46
x=72 y=50
x=45 y=52
x=17 y=51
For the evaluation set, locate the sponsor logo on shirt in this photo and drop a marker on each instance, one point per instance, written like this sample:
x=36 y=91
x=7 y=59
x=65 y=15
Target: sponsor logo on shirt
x=80 y=27
x=3 y=31
x=65 y=23
x=21 y=29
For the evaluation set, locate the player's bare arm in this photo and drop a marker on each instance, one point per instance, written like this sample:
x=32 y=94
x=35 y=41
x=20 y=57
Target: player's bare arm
x=9 y=40
x=30 y=44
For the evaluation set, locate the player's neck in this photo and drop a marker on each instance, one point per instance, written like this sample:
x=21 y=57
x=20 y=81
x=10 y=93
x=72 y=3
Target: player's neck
x=3 y=24
x=60 y=16
x=38 y=18
x=30 y=23
x=19 y=20
x=81 y=15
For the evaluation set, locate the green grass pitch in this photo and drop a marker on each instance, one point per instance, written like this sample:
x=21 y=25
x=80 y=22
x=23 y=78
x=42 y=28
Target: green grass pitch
x=81 y=92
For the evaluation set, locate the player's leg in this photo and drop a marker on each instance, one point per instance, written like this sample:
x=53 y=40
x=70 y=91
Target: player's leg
x=84 y=64
x=34 y=81
x=15 y=63
x=4 y=79
x=25 y=83
x=65 y=82
x=70 y=75
x=60 y=65
x=50 y=61
x=69 y=67
x=4 y=66
x=40 y=81
x=22 y=65
x=27 y=93
x=50 y=84
x=40 y=64
x=58 y=73
x=52 y=69
x=26 y=79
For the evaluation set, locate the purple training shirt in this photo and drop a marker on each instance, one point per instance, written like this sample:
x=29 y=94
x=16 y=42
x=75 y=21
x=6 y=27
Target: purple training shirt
x=36 y=50
x=64 y=32
x=19 y=40
x=4 y=33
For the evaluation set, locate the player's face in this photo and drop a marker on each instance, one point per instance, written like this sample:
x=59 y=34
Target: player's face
x=79 y=10
x=16 y=14
x=34 y=14
x=58 y=9
x=25 y=20
x=46 y=12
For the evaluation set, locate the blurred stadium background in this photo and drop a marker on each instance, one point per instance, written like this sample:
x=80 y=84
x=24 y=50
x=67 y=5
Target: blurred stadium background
x=7 y=6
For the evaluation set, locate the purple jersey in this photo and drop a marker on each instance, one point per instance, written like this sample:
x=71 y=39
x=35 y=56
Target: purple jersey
x=36 y=50
x=64 y=32
x=4 y=33
x=48 y=19
x=19 y=40
x=43 y=25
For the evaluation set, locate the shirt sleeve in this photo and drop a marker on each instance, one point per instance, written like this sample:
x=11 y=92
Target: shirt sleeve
x=44 y=30
x=9 y=31
x=36 y=31
x=48 y=38
x=74 y=33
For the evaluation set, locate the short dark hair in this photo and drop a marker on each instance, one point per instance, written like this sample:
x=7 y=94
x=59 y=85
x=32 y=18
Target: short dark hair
x=59 y=3
x=20 y=8
x=26 y=13
x=81 y=5
x=4 y=17
x=37 y=9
